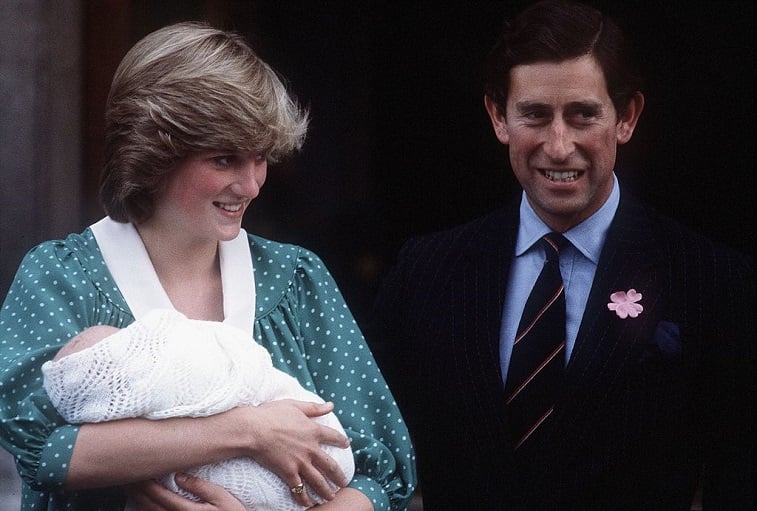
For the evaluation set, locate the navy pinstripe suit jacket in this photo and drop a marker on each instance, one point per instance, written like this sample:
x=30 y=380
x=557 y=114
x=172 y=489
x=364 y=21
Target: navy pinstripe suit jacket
x=646 y=402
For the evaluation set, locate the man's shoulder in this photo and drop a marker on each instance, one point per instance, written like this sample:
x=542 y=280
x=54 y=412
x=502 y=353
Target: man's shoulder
x=675 y=237
x=478 y=239
x=490 y=227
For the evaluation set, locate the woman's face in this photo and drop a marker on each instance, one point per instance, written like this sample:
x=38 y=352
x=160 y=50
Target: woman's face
x=207 y=194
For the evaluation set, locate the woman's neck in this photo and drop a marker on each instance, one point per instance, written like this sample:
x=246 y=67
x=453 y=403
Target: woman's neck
x=188 y=270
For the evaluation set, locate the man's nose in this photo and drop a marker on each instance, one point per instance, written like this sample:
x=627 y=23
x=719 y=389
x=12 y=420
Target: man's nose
x=559 y=144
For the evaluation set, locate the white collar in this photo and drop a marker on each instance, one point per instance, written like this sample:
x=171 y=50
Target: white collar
x=128 y=262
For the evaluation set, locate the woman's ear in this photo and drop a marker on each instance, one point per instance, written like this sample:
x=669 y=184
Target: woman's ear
x=498 y=120
x=629 y=118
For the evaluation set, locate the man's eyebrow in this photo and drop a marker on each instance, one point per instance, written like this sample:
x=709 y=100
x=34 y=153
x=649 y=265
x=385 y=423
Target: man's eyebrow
x=522 y=106
x=530 y=105
x=587 y=104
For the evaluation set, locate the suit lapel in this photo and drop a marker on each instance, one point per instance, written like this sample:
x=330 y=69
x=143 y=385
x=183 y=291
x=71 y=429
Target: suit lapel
x=630 y=260
x=481 y=279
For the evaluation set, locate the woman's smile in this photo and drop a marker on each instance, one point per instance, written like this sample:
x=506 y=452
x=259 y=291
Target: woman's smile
x=230 y=207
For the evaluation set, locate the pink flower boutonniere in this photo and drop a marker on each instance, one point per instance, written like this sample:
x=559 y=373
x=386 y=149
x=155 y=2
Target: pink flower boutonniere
x=624 y=303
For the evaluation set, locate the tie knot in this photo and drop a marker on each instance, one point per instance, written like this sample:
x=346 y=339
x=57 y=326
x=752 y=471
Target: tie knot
x=553 y=243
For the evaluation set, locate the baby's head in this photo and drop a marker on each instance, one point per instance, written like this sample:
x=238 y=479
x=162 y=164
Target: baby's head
x=84 y=339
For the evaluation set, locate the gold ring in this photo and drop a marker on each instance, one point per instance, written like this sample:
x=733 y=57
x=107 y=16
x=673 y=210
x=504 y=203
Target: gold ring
x=298 y=489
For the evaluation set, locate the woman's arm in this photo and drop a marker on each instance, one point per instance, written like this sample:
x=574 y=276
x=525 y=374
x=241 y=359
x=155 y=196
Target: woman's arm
x=348 y=499
x=278 y=435
x=151 y=496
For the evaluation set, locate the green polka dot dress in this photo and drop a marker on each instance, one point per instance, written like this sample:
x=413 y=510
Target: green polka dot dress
x=301 y=318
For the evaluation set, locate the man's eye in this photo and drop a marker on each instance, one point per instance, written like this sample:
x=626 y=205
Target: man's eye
x=584 y=115
x=536 y=118
x=536 y=115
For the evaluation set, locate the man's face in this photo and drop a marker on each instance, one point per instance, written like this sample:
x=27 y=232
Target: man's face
x=562 y=131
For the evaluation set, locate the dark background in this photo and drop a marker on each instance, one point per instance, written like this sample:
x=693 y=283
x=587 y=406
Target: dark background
x=400 y=143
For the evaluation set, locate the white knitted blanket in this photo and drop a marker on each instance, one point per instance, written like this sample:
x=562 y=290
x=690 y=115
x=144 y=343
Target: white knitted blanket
x=166 y=365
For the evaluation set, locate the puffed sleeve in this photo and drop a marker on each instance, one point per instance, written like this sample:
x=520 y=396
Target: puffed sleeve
x=55 y=294
x=312 y=334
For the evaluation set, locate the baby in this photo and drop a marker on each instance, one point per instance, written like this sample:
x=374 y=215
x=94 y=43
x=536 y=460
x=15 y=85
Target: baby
x=166 y=365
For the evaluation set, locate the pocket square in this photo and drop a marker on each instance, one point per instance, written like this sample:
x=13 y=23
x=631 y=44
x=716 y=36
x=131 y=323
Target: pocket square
x=668 y=338
x=665 y=342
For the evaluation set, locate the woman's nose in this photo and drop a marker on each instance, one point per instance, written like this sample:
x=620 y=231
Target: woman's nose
x=252 y=177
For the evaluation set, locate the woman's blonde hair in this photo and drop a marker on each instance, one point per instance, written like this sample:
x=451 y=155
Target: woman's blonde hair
x=184 y=89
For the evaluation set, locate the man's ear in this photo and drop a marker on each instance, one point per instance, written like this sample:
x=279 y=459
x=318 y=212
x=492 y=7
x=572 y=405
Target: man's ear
x=629 y=118
x=498 y=120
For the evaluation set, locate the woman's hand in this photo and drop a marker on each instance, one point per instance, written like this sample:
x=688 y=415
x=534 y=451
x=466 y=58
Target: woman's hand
x=286 y=441
x=153 y=496
x=282 y=436
x=347 y=499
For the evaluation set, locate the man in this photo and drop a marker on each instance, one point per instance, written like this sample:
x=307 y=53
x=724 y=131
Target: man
x=650 y=403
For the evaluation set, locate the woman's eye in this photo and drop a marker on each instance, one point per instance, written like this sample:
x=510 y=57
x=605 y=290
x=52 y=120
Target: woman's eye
x=224 y=161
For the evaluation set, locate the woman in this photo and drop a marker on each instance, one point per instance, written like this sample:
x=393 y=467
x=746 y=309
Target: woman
x=192 y=120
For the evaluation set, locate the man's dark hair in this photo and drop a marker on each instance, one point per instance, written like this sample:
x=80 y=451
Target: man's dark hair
x=559 y=30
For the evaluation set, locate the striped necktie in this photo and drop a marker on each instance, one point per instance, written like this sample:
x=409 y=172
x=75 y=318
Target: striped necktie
x=536 y=365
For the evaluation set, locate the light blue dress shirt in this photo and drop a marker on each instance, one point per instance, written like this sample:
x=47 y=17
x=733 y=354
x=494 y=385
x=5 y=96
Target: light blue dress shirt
x=578 y=264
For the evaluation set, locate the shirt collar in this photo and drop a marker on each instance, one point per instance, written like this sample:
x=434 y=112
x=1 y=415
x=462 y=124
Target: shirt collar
x=588 y=237
x=129 y=264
